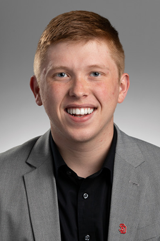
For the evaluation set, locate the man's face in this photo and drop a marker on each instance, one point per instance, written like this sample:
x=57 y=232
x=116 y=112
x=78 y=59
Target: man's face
x=80 y=89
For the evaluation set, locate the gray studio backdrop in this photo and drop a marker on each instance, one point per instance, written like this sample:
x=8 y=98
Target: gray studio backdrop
x=21 y=24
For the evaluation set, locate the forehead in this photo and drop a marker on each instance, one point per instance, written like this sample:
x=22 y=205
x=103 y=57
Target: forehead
x=87 y=46
x=80 y=54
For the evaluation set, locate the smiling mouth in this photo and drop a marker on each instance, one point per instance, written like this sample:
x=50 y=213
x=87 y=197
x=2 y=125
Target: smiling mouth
x=80 y=112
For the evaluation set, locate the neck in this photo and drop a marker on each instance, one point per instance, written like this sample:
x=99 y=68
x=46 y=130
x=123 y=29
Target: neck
x=84 y=159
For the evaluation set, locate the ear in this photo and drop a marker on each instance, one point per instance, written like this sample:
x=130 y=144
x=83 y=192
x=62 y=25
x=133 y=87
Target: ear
x=123 y=87
x=36 y=90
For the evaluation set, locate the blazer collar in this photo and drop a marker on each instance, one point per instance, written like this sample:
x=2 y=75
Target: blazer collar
x=40 y=152
x=128 y=149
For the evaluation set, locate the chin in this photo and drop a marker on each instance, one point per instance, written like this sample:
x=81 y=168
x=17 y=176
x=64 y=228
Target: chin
x=82 y=137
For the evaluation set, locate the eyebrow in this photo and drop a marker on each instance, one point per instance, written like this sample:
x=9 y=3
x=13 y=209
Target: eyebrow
x=98 y=66
x=58 y=67
x=87 y=67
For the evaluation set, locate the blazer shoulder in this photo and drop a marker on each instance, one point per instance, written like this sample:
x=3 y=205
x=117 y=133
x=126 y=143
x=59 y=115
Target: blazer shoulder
x=136 y=149
x=133 y=141
x=146 y=148
x=18 y=153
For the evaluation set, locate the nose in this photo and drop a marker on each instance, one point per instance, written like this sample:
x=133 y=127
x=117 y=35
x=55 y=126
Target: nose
x=79 y=87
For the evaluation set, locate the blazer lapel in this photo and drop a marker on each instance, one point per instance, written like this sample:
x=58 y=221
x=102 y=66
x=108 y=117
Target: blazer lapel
x=41 y=193
x=127 y=192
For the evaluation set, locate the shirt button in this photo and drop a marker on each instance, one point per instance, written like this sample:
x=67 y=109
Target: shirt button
x=85 y=195
x=87 y=238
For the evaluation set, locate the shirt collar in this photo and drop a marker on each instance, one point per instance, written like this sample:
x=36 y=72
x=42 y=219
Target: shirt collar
x=108 y=163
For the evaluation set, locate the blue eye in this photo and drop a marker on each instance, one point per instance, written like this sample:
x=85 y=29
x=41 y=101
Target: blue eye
x=62 y=74
x=95 y=74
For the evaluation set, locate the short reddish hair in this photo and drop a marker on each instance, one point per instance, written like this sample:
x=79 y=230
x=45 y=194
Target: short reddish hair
x=79 y=26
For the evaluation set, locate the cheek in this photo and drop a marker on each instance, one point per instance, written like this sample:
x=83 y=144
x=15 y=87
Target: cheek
x=48 y=97
x=115 y=92
x=107 y=93
x=55 y=95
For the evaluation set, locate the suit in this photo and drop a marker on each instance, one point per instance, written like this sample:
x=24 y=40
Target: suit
x=28 y=196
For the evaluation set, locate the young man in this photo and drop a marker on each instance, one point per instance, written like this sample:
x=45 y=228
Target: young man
x=84 y=179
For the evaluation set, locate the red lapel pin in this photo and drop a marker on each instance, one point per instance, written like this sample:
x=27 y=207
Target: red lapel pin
x=123 y=228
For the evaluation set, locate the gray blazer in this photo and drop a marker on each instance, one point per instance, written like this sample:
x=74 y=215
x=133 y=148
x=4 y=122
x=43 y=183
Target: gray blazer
x=28 y=196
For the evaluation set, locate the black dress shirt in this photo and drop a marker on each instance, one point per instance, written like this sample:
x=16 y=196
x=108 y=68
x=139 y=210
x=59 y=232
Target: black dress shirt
x=84 y=203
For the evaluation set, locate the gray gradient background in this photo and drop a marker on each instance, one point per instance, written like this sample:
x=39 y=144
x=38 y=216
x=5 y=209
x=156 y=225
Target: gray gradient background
x=21 y=24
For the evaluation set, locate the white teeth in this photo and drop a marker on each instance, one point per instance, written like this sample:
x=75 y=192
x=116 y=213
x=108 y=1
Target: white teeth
x=85 y=111
x=80 y=111
x=91 y=110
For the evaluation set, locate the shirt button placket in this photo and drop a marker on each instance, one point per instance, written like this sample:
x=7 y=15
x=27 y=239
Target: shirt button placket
x=87 y=237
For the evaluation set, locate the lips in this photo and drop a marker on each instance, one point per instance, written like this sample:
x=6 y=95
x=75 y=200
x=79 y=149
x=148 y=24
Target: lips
x=80 y=113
